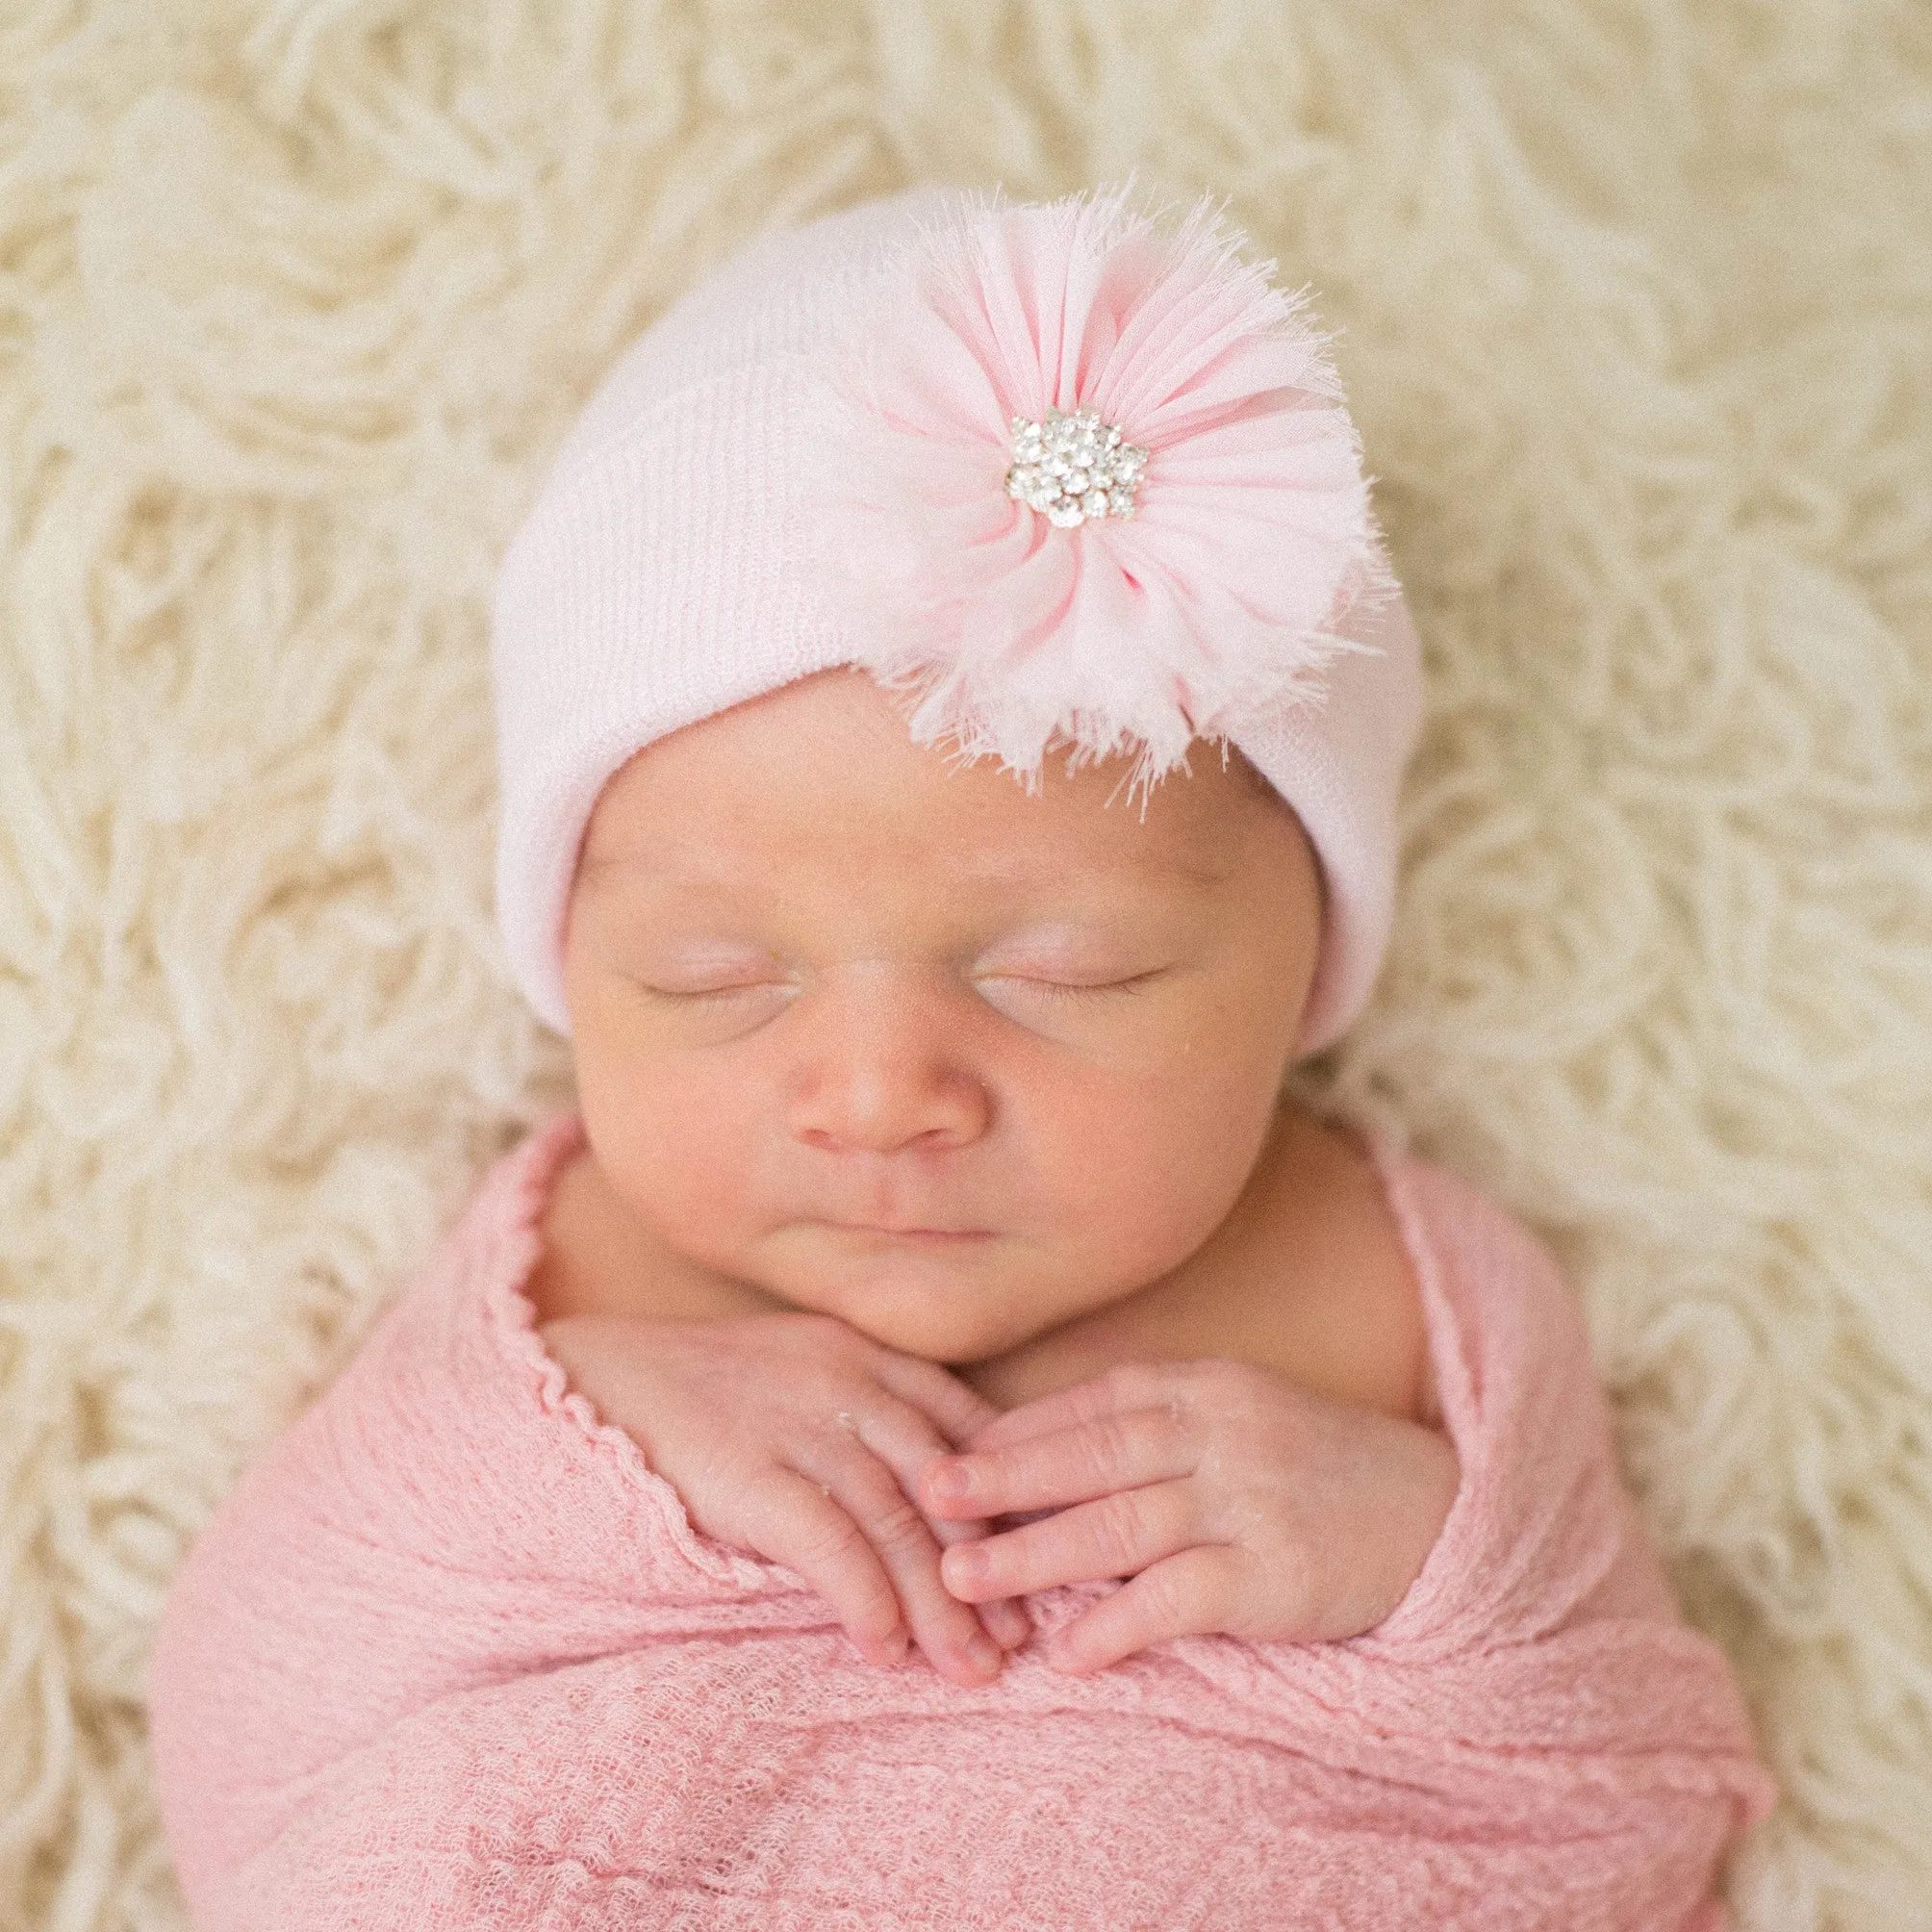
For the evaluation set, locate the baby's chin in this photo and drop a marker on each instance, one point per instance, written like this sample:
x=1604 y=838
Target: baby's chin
x=969 y=1313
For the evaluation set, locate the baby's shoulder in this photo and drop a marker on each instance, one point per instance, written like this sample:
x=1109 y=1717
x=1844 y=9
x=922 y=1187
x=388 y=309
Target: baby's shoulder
x=1349 y=1298
x=1472 y=1251
x=579 y=1249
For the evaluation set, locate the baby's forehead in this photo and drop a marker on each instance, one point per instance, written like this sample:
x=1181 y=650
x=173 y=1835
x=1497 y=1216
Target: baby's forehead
x=918 y=847
x=780 y=801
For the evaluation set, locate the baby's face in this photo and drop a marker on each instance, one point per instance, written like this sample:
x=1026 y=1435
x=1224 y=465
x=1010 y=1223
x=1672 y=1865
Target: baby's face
x=893 y=1040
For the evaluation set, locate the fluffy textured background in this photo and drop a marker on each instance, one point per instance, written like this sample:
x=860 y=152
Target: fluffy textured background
x=294 y=300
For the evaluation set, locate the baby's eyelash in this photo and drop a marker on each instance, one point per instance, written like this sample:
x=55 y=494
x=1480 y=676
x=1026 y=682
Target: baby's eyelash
x=705 y=992
x=1064 y=990
x=1057 y=989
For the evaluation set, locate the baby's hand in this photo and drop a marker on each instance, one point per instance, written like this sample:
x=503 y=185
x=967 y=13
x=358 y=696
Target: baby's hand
x=1234 y=1500
x=796 y=1438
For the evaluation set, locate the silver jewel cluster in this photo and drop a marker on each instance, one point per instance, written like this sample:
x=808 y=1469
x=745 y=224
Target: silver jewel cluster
x=1071 y=468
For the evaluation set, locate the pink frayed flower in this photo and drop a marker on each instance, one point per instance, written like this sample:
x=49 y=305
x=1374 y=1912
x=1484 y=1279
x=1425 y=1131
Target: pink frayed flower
x=1151 y=602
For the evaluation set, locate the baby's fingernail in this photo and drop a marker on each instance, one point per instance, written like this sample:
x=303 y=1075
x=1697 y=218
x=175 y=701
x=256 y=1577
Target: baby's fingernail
x=984 y=1652
x=893 y=1649
x=950 y=1481
x=1008 y=1623
x=964 y=1565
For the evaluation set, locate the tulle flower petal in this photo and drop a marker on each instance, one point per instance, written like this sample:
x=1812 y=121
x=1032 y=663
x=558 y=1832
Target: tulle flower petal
x=1227 y=570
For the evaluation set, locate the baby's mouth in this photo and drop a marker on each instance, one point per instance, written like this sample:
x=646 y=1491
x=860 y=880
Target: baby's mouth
x=939 y=1237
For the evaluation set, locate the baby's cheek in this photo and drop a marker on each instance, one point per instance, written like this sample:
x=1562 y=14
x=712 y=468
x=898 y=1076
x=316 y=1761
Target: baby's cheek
x=1148 y=1175
x=679 y=1151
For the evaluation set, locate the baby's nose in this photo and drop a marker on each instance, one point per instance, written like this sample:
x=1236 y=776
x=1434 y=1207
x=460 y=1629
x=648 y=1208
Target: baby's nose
x=883 y=1063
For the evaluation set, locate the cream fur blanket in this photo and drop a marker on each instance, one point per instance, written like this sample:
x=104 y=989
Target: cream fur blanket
x=295 y=298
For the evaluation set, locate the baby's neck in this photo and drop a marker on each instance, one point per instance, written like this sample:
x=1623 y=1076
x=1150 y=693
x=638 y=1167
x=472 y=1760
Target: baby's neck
x=1307 y=1275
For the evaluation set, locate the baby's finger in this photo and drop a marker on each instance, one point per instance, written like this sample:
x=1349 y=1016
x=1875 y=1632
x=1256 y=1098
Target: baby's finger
x=906 y=1439
x=1007 y=1621
x=1127 y=1385
x=1188 y=1595
x=948 y=1631
x=1094 y=1458
x=1120 y=1534
x=804 y=1527
x=951 y=1405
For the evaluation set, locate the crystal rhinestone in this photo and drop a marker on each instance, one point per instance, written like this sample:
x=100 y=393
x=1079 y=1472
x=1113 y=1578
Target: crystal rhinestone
x=1073 y=466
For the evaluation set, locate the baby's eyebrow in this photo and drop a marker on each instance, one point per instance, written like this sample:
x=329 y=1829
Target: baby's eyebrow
x=1204 y=872
x=1198 y=872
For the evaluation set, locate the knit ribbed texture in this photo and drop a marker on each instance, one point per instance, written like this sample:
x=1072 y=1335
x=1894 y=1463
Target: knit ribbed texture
x=451 y=1655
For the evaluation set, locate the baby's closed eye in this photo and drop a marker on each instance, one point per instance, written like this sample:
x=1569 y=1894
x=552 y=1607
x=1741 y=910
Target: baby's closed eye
x=1072 y=988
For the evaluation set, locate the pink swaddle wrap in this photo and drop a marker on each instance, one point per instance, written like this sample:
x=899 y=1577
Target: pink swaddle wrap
x=453 y=1655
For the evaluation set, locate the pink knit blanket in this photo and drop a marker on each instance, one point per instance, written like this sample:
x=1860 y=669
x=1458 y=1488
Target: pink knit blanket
x=453 y=1655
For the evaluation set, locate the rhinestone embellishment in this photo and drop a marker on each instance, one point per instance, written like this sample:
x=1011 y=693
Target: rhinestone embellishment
x=1069 y=467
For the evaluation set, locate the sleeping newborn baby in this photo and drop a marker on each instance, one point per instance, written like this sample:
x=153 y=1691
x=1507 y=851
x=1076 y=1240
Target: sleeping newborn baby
x=887 y=1064
x=938 y=1439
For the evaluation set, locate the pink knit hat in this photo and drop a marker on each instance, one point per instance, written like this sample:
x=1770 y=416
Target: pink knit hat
x=1067 y=478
